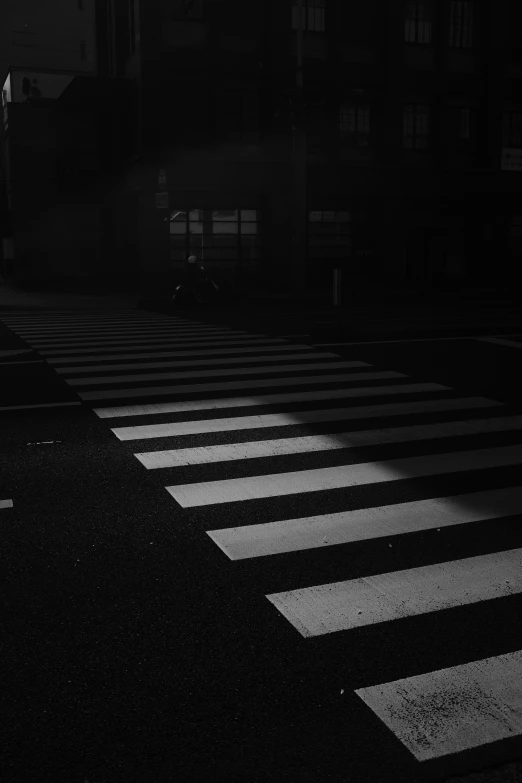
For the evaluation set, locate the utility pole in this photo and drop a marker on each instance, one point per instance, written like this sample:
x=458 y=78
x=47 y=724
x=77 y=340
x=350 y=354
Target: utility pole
x=299 y=197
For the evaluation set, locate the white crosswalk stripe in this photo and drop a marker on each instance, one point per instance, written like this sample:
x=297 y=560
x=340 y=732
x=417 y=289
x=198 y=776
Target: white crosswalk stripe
x=126 y=337
x=451 y=710
x=197 y=388
x=376 y=599
x=160 y=376
x=240 y=402
x=174 y=355
x=195 y=362
x=299 y=481
x=193 y=342
x=295 y=419
x=227 y=446
x=342 y=440
x=292 y=535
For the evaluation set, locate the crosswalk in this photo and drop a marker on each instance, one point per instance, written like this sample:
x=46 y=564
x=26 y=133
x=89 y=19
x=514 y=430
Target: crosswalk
x=240 y=422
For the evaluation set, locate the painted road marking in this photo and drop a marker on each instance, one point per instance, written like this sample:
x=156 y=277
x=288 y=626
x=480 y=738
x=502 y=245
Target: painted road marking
x=16 y=351
x=6 y=504
x=341 y=440
x=87 y=318
x=240 y=402
x=38 y=405
x=452 y=710
x=103 y=381
x=100 y=331
x=341 y=477
x=383 y=342
x=165 y=344
x=205 y=426
x=499 y=341
x=130 y=316
x=341 y=606
x=158 y=334
x=76 y=326
x=22 y=361
x=307 y=380
x=181 y=354
x=153 y=342
x=199 y=362
x=365 y=524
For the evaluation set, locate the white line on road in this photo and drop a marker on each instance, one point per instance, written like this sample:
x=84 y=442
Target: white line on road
x=312 y=380
x=90 y=354
x=180 y=354
x=22 y=361
x=452 y=710
x=38 y=405
x=242 y=423
x=240 y=402
x=163 y=342
x=341 y=440
x=346 y=527
x=126 y=336
x=383 y=342
x=73 y=327
x=341 y=477
x=100 y=331
x=16 y=351
x=499 y=341
x=341 y=606
x=197 y=363
x=6 y=504
x=86 y=318
x=170 y=376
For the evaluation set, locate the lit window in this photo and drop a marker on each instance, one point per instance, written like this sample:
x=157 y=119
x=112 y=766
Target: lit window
x=461 y=24
x=313 y=14
x=416 y=126
x=417 y=22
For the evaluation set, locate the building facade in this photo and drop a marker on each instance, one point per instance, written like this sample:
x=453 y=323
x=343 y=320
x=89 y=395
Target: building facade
x=281 y=139
x=399 y=151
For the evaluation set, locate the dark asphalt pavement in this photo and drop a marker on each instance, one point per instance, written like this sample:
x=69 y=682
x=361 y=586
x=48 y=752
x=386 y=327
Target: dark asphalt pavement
x=136 y=651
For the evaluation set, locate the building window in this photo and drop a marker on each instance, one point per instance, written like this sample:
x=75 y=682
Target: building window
x=83 y=50
x=512 y=129
x=415 y=129
x=224 y=236
x=354 y=124
x=417 y=22
x=461 y=24
x=312 y=15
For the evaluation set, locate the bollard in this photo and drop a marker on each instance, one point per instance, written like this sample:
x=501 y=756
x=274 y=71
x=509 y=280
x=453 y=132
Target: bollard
x=337 y=287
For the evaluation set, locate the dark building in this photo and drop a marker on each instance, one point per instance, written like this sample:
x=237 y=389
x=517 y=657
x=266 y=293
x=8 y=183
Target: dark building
x=382 y=137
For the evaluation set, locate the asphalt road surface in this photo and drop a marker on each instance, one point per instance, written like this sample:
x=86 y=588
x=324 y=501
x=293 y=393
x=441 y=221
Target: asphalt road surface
x=254 y=555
